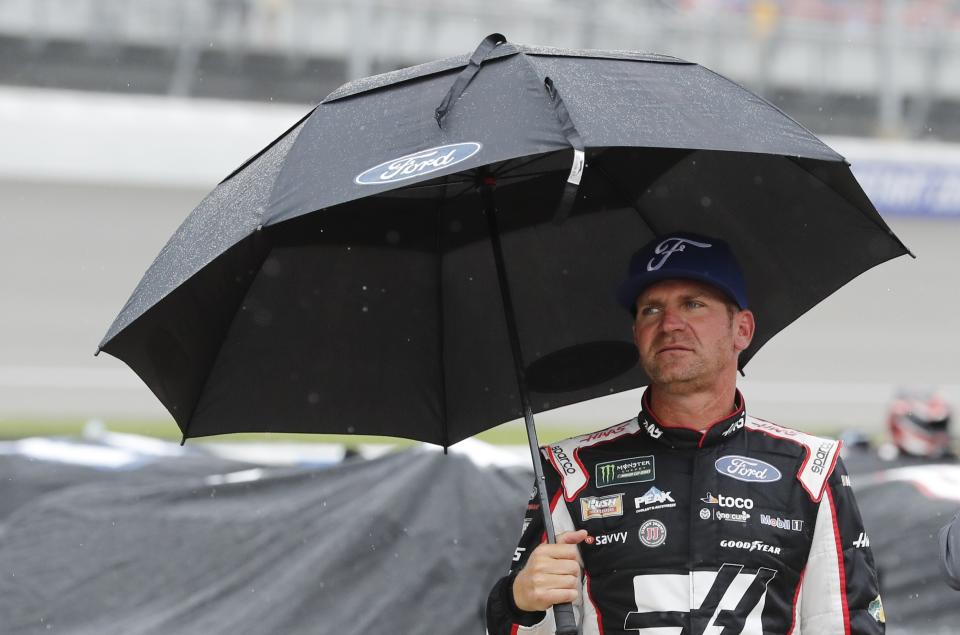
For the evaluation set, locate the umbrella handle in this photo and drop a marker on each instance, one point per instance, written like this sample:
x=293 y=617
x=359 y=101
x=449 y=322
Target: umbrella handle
x=564 y=619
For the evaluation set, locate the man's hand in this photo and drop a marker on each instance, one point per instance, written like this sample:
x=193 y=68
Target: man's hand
x=552 y=574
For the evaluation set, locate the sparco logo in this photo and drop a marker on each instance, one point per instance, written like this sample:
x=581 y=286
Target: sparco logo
x=746 y=469
x=652 y=429
x=728 y=501
x=669 y=247
x=418 y=163
x=565 y=463
x=820 y=459
x=756 y=545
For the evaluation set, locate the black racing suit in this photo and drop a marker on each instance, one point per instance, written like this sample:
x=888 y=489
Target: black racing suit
x=748 y=527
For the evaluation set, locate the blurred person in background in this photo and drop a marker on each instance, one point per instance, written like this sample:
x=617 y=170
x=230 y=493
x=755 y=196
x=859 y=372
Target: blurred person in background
x=918 y=426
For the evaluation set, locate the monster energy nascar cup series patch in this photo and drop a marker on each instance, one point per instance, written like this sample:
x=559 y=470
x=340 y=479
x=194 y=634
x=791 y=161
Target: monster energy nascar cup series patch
x=636 y=469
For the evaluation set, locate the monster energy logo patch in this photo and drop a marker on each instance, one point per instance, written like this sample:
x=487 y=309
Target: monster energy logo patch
x=636 y=469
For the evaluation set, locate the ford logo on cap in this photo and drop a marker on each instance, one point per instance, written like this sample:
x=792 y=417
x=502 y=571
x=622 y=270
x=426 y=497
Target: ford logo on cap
x=418 y=163
x=743 y=468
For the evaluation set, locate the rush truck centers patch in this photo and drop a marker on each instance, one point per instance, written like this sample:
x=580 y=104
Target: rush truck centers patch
x=601 y=506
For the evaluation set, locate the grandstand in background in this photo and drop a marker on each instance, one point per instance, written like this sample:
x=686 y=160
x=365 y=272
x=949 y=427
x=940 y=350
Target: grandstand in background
x=888 y=68
x=117 y=116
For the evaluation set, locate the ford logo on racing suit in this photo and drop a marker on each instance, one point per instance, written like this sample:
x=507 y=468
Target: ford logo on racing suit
x=418 y=163
x=744 y=468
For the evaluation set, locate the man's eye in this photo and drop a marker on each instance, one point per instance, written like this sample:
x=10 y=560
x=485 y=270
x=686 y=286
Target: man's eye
x=694 y=304
x=649 y=310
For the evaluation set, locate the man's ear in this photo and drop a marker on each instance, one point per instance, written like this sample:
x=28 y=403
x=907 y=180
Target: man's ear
x=744 y=327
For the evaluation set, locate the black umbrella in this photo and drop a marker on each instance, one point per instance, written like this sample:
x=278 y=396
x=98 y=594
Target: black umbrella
x=343 y=281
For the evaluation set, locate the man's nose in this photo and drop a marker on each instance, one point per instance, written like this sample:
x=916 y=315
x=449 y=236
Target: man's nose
x=672 y=320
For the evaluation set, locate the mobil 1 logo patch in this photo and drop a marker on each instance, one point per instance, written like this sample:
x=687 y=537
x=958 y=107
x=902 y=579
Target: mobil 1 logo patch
x=636 y=469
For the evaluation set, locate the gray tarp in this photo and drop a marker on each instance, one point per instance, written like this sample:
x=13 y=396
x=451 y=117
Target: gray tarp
x=409 y=543
x=903 y=509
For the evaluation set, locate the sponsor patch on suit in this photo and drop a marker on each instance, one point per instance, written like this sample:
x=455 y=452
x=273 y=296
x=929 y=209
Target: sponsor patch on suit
x=636 y=469
x=601 y=506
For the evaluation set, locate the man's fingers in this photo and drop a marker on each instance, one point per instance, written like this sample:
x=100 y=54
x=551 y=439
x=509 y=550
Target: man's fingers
x=556 y=596
x=554 y=566
x=552 y=582
x=537 y=591
x=558 y=552
x=572 y=537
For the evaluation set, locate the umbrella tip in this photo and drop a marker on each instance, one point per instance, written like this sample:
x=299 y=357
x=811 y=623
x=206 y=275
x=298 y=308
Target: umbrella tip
x=183 y=440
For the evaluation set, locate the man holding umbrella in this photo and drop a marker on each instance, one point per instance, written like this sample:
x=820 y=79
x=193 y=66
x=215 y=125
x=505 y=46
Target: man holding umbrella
x=693 y=515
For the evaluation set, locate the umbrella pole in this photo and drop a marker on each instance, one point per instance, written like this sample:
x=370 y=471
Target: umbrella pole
x=563 y=613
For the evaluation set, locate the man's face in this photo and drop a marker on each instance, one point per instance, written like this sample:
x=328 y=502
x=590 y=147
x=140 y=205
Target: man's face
x=687 y=335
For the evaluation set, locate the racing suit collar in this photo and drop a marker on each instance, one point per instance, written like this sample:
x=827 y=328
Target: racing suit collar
x=719 y=431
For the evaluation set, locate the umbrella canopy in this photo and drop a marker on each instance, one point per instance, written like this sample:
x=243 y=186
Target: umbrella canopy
x=342 y=280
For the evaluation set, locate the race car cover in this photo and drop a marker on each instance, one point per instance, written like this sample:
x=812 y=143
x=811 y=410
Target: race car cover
x=402 y=544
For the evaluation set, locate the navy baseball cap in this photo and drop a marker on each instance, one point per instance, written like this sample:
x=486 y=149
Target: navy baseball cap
x=687 y=256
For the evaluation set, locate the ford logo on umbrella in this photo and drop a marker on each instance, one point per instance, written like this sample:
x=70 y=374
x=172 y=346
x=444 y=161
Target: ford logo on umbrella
x=744 y=468
x=418 y=163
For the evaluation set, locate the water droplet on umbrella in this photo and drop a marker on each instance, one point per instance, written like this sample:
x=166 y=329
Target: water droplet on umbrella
x=262 y=317
x=705 y=201
x=350 y=429
x=364 y=287
x=313 y=398
x=271 y=266
x=365 y=309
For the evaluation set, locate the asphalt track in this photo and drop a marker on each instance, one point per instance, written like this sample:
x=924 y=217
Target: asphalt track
x=70 y=254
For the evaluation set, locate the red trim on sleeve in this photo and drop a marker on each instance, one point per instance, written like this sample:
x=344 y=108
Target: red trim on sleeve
x=596 y=610
x=796 y=597
x=840 y=565
x=556 y=498
x=515 y=629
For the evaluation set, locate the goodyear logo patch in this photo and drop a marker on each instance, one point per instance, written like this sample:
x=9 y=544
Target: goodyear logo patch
x=636 y=469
